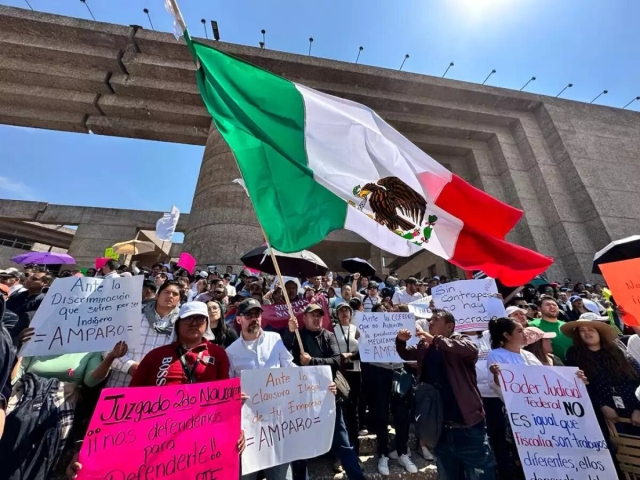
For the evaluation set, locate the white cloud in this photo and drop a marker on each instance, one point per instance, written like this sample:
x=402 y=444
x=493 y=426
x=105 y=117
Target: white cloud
x=16 y=190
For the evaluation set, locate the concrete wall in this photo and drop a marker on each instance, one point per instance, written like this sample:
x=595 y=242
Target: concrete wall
x=6 y=254
x=594 y=180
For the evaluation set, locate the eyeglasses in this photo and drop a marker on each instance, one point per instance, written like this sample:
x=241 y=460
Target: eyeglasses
x=251 y=315
x=196 y=319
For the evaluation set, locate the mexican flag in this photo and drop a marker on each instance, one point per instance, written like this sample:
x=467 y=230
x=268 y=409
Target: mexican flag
x=313 y=163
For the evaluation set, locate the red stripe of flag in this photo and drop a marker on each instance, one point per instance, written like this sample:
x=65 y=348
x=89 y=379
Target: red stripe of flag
x=474 y=207
x=512 y=264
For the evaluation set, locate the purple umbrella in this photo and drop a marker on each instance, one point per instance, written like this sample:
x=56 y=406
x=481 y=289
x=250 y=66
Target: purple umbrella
x=44 y=258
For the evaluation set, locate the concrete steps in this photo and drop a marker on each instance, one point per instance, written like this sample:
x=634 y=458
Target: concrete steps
x=322 y=469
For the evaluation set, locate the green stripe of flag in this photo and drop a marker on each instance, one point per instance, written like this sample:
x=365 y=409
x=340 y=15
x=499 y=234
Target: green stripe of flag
x=261 y=116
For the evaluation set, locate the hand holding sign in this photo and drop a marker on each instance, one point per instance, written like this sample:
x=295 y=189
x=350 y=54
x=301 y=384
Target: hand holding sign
x=173 y=432
x=553 y=423
x=377 y=342
x=472 y=302
x=85 y=314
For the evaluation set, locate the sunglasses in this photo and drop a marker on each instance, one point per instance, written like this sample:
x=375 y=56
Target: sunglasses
x=251 y=315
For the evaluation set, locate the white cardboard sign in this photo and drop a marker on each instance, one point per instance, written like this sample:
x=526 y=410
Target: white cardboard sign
x=378 y=332
x=554 y=425
x=472 y=302
x=85 y=314
x=289 y=415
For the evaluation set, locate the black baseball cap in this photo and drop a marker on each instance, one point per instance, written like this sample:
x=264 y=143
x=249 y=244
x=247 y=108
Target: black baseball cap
x=249 y=304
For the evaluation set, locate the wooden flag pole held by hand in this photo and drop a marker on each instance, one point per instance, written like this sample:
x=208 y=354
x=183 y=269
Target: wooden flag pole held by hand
x=284 y=291
x=178 y=17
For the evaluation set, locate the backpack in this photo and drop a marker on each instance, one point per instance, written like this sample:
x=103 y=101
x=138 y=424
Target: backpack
x=429 y=414
x=32 y=439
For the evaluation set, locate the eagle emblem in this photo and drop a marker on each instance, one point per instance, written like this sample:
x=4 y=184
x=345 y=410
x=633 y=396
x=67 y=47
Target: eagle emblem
x=398 y=207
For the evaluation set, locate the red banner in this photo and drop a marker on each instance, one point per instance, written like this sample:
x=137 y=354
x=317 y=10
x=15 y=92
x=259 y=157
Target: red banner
x=277 y=316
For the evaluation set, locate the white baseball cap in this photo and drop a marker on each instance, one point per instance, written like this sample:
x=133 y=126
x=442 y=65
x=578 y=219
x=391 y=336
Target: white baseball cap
x=190 y=309
x=10 y=272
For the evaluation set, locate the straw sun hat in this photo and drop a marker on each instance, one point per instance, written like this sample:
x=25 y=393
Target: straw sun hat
x=606 y=331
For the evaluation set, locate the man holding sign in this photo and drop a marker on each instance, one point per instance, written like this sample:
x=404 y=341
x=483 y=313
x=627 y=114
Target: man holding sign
x=447 y=375
x=257 y=349
x=321 y=348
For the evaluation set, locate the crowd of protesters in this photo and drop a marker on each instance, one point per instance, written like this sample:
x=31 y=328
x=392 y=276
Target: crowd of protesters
x=219 y=315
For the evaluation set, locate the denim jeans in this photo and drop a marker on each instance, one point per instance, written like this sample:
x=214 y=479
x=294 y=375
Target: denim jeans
x=279 y=472
x=341 y=448
x=464 y=449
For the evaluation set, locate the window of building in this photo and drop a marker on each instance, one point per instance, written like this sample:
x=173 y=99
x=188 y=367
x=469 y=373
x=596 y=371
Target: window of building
x=15 y=242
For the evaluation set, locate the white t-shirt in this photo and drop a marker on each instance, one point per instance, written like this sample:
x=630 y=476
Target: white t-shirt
x=402 y=296
x=501 y=355
x=482 y=372
x=633 y=347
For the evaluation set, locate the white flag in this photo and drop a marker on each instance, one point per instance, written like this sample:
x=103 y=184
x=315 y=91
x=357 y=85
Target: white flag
x=178 y=30
x=166 y=226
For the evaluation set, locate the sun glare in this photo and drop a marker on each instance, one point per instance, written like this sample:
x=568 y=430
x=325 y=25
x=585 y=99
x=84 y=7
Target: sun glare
x=479 y=9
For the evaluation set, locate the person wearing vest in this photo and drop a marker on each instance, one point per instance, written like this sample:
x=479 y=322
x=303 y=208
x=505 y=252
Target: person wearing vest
x=321 y=348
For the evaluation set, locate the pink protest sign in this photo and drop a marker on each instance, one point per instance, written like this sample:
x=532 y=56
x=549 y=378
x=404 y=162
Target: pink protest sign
x=175 y=432
x=187 y=262
x=100 y=262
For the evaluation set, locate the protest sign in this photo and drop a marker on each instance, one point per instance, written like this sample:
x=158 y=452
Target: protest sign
x=176 y=432
x=472 y=302
x=420 y=309
x=187 y=262
x=85 y=314
x=623 y=279
x=553 y=423
x=100 y=262
x=289 y=415
x=378 y=332
x=109 y=253
x=276 y=317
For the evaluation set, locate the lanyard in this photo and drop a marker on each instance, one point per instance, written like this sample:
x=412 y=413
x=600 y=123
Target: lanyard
x=346 y=337
x=188 y=371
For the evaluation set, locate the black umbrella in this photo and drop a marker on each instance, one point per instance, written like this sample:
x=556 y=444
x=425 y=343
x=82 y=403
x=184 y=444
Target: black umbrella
x=302 y=264
x=358 y=265
x=624 y=249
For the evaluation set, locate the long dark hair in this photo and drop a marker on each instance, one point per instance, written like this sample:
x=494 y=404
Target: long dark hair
x=221 y=330
x=498 y=327
x=615 y=360
x=538 y=350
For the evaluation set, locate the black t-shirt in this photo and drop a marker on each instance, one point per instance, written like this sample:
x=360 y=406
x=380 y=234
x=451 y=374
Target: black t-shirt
x=434 y=373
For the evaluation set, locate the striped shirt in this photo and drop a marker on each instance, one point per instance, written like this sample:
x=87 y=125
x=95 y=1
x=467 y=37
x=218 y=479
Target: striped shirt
x=149 y=339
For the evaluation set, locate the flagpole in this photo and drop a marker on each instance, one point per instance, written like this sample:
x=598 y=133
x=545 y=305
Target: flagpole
x=183 y=26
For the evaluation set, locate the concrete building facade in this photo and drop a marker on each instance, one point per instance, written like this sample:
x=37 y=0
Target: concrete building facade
x=572 y=168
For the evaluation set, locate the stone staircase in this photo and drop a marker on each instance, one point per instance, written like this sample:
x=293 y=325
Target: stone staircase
x=321 y=468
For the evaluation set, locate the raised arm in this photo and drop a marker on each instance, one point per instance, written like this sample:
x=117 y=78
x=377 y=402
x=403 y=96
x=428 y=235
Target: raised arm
x=408 y=354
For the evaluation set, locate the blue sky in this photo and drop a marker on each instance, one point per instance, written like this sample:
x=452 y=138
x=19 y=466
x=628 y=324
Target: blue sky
x=595 y=44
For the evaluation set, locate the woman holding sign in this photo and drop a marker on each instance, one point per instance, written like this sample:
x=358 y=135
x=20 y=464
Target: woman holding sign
x=191 y=358
x=613 y=374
